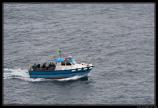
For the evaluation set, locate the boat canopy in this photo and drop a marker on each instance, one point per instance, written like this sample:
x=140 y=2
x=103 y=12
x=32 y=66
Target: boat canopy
x=59 y=59
x=71 y=60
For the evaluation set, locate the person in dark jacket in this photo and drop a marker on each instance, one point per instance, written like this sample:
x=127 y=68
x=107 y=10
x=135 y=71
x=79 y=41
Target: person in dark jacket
x=34 y=66
x=44 y=65
x=38 y=66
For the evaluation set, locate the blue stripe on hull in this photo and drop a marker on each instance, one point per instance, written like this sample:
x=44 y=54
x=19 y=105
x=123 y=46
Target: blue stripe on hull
x=58 y=74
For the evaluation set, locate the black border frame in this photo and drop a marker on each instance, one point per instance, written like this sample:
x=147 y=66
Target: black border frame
x=87 y=1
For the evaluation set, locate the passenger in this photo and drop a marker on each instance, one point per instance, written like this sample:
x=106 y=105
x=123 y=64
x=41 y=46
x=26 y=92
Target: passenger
x=35 y=66
x=49 y=65
x=53 y=65
x=43 y=66
x=38 y=66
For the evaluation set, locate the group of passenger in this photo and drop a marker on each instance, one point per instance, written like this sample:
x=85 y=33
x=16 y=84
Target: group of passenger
x=44 y=66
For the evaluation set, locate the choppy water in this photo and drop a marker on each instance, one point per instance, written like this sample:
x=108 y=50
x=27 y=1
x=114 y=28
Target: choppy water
x=118 y=39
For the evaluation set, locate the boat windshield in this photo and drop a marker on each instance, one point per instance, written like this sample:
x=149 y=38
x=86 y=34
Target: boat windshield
x=73 y=61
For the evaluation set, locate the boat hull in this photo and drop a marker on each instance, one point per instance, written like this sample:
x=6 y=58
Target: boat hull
x=59 y=74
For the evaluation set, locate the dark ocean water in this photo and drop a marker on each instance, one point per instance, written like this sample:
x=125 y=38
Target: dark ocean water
x=118 y=39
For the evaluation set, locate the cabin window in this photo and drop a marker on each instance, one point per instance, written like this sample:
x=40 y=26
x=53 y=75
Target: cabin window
x=62 y=63
x=67 y=63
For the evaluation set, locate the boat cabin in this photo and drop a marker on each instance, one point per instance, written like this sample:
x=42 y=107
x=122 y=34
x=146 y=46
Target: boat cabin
x=64 y=63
